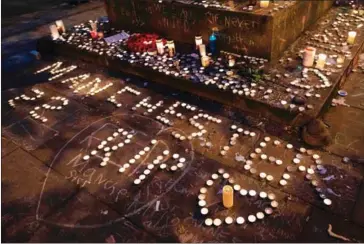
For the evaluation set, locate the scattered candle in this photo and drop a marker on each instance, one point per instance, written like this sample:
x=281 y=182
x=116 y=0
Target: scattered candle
x=264 y=3
x=227 y=196
x=321 y=61
x=309 y=56
x=351 y=37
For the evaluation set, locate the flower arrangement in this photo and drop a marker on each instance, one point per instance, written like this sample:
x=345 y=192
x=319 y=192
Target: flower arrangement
x=142 y=42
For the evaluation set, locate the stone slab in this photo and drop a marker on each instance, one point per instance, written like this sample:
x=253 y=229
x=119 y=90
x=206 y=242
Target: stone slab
x=22 y=185
x=318 y=223
x=7 y=146
x=81 y=216
x=346 y=126
x=182 y=22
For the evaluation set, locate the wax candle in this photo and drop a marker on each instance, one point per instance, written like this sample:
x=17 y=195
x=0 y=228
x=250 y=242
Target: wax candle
x=340 y=59
x=198 y=41
x=202 y=48
x=264 y=3
x=205 y=61
x=54 y=31
x=309 y=56
x=231 y=61
x=351 y=37
x=60 y=26
x=160 y=46
x=227 y=196
x=321 y=61
x=171 y=48
x=93 y=26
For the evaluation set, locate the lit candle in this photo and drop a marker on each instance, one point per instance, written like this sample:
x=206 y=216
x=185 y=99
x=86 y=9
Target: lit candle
x=227 y=196
x=231 y=61
x=309 y=56
x=321 y=61
x=93 y=26
x=54 y=32
x=351 y=37
x=205 y=61
x=198 y=40
x=171 y=48
x=60 y=26
x=202 y=48
x=264 y=3
x=340 y=59
x=160 y=46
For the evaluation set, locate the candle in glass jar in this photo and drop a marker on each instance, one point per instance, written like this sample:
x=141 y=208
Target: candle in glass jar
x=202 y=48
x=205 y=61
x=264 y=3
x=340 y=59
x=231 y=61
x=60 y=26
x=198 y=41
x=54 y=31
x=309 y=56
x=321 y=61
x=227 y=196
x=351 y=37
x=171 y=48
x=160 y=46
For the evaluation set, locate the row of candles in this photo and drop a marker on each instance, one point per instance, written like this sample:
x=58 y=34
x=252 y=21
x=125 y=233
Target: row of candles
x=310 y=53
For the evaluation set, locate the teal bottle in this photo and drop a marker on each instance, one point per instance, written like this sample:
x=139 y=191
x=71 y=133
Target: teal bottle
x=212 y=43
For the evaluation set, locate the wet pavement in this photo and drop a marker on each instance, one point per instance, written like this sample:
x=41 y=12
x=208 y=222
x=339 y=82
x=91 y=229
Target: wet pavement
x=92 y=171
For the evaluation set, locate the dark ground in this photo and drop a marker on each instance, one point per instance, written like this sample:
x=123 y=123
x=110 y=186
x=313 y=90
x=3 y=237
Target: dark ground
x=48 y=195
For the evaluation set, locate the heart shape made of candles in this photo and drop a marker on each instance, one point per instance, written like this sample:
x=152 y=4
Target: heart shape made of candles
x=243 y=192
x=310 y=171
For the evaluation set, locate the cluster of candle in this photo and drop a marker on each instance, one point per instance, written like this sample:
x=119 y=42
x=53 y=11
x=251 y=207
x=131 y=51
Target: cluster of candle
x=310 y=171
x=138 y=156
x=76 y=80
x=228 y=200
x=57 y=29
x=235 y=136
x=172 y=110
x=112 y=98
x=24 y=97
x=150 y=107
x=46 y=106
x=107 y=150
x=201 y=128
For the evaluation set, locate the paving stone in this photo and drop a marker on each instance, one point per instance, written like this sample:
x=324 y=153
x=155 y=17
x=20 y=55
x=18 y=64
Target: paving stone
x=7 y=146
x=346 y=127
x=316 y=228
x=22 y=185
x=85 y=219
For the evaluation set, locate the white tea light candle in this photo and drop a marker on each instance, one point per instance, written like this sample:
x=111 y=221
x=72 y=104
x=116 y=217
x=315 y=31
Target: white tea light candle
x=351 y=37
x=54 y=32
x=321 y=61
x=309 y=56
x=202 y=48
x=264 y=3
x=198 y=41
x=231 y=61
